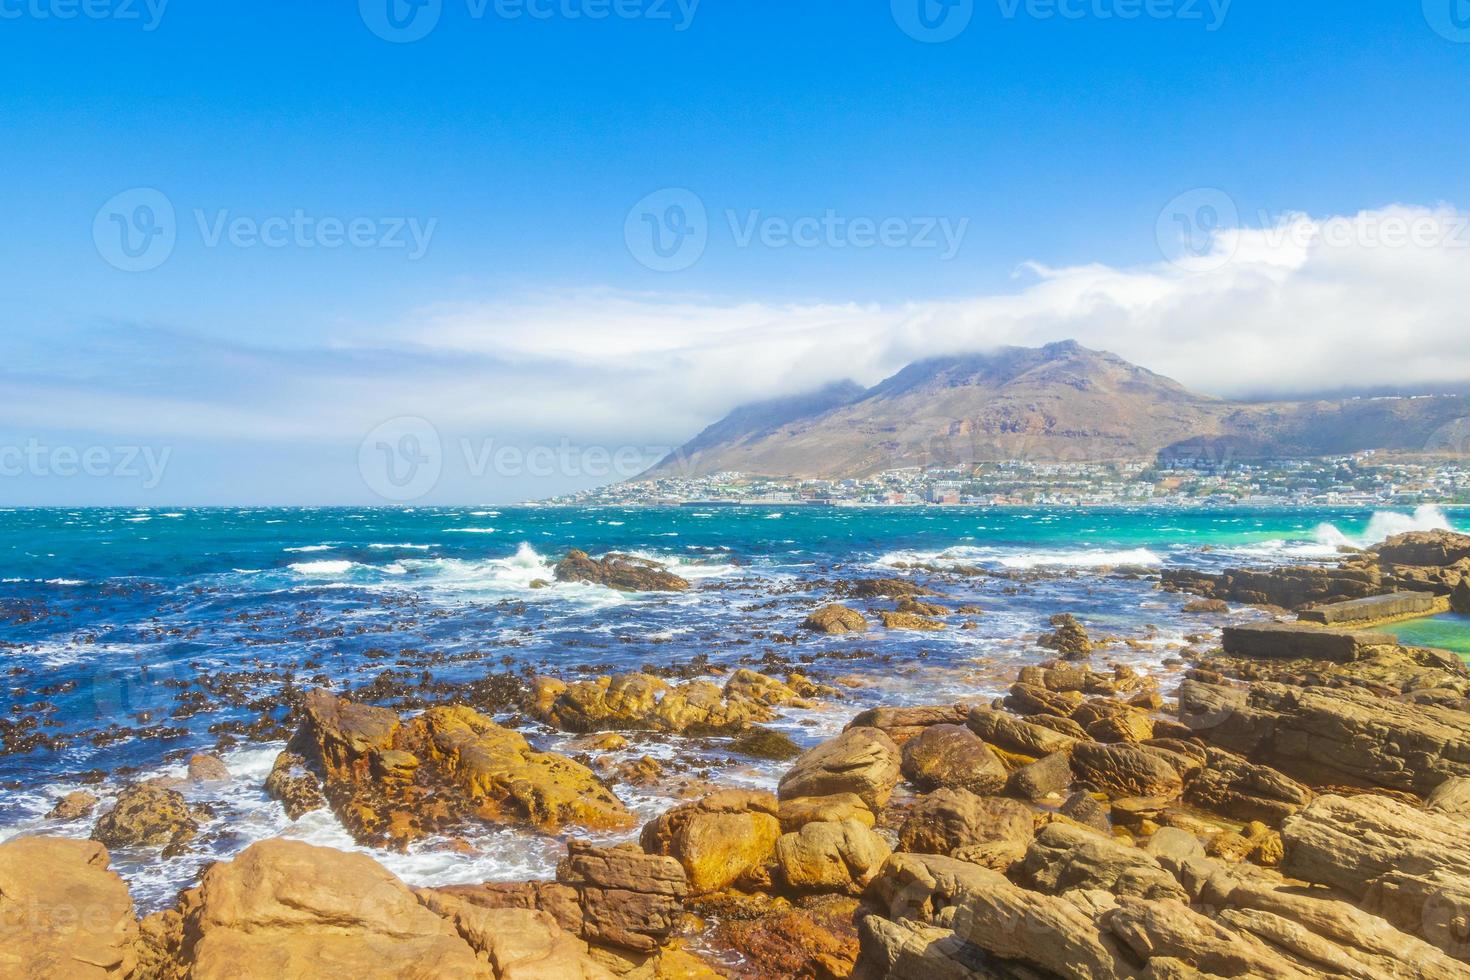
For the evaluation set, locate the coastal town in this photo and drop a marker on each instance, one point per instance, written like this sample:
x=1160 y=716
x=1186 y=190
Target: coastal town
x=1362 y=479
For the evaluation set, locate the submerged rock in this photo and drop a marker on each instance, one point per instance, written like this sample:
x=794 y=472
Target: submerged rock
x=833 y=619
x=1067 y=638
x=73 y=806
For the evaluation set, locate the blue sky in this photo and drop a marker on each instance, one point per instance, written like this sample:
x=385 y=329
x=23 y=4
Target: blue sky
x=514 y=147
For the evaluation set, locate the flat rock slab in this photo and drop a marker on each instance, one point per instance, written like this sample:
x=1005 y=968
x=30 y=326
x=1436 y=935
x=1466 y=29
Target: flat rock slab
x=1373 y=609
x=1288 y=641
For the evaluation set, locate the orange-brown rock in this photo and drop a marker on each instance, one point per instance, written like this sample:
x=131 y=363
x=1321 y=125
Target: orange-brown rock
x=63 y=912
x=623 y=573
x=392 y=781
x=642 y=702
x=835 y=619
x=727 y=838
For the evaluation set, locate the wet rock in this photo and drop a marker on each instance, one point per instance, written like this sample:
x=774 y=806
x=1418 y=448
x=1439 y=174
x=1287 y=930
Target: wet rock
x=286 y=909
x=208 y=769
x=1067 y=638
x=1086 y=811
x=1125 y=770
x=1436 y=548
x=623 y=573
x=73 y=806
x=835 y=619
x=727 y=838
x=994 y=831
x=63 y=912
x=392 y=781
x=1106 y=720
x=1289 y=588
x=861 y=761
x=1460 y=598
x=797 y=813
x=642 y=702
x=909 y=621
x=147 y=815
x=884 y=588
x=292 y=784
x=763 y=743
x=952 y=756
x=1207 y=606
x=830 y=857
x=1289 y=641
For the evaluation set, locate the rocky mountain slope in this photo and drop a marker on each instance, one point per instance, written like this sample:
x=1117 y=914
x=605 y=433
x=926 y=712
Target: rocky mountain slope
x=1061 y=402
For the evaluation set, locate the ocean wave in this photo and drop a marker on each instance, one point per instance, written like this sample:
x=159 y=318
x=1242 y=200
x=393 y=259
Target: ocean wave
x=1383 y=525
x=323 y=567
x=305 y=549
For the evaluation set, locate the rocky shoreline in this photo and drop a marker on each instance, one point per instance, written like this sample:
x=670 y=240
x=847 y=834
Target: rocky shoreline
x=1293 y=805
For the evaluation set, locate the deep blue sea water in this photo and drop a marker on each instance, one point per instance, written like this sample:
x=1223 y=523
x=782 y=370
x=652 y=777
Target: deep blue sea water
x=119 y=628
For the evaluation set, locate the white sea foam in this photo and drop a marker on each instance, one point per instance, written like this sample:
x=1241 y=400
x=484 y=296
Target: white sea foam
x=310 y=548
x=1385 y=524
x=473 y=530
x=315 y=568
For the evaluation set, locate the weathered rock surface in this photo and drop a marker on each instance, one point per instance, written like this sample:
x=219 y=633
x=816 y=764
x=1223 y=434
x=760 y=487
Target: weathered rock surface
x=624 y=573
x=835 y=619
x=1067 y=638
x=642 y=702
x=1016 y=736
x=728 y=838
x=1287 y=641
x=393 y=781
x=902 y=724
x=861 y=761
x=952 y=756
x=991 y=831
x=73 y=806
x=909 y=621
x=1373 y=609
x=63 y=912
x=797 y=813
x=287 y=909
x=1333 y=736
x=830 y=857
x=1126 y=770
x=1064 y=858
x=294 y=785
x=147 y=815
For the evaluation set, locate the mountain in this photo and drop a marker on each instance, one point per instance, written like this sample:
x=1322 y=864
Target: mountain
x=1061 y=402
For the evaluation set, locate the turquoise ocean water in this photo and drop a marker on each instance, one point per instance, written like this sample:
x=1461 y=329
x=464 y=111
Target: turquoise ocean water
x=129 y=639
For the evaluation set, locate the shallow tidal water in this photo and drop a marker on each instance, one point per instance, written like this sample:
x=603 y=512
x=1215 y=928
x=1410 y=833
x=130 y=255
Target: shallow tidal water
x=130 y=639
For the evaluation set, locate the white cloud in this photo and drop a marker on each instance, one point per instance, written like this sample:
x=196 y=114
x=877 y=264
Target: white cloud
x=1296 y=306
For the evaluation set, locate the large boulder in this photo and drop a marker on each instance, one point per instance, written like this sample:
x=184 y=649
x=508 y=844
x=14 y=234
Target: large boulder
x=1016 y=736
x=147 y=815
x=627 y=898
x=624 y=573
x=394 y=782
x=861 y=761
x=952 y=756
x=1241 y=790
x=987 y=830
x=727 y=838
x=1437 y=548
x=63 y=912
x=830 y=857
x=902 y=724
x=286 y=909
